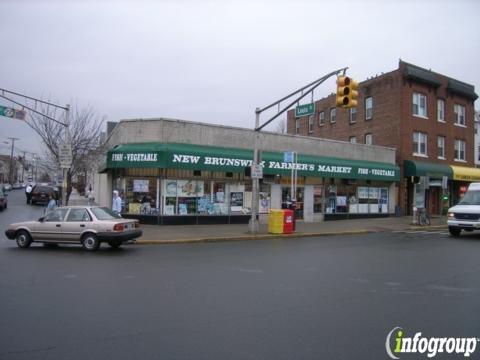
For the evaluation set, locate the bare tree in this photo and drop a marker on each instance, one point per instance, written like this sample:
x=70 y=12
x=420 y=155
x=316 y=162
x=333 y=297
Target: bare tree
x=85 y=131
x=282 y=126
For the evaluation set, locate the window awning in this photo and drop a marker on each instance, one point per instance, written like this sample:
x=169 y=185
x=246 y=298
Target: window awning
x=465 y=173
x=200 y=157
x=424 y=168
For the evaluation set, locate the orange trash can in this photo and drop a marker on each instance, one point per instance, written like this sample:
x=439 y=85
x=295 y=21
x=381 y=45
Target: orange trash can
x=288 y=221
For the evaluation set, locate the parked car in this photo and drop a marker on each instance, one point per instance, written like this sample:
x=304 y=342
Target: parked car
x=85 y=225
x=7 y=187
x=17 y=186
x=3 y=199
x=40 y=194
x=466 y=214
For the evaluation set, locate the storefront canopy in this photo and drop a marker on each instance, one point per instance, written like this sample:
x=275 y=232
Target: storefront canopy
x=423 y=168
x=465 y=173
x=199 y=157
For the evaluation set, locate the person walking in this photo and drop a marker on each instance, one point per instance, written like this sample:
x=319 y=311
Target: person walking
x=116 y=202
x=52 y=203
x=91 y=197
x=28 y=193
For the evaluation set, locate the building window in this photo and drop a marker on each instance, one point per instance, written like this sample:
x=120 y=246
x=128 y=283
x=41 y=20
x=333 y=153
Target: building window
x=321 y=119
x=333 y=115
x=368 y=139
x=297 y=126
x=419 y=105
x=310 y=124
x=459 y=150
x=441 y=147
x=368 y=108
x=353 y=139
x=419 y=144
x=441 y=110
x=352 y=112
x=459 y=113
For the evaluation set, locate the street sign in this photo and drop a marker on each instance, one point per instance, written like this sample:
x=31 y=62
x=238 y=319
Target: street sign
x=288 y=156
x=256 y=172
x=12 y=113
x=65 y=155
x=304 y=110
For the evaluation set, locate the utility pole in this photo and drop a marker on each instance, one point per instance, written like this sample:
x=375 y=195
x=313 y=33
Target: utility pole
x=10 y=174
x=253 y=224
x=23 y=165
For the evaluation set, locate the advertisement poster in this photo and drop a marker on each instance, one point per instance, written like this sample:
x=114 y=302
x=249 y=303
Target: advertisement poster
x=236 y=201
x=140 y=186
x=170 y=188
x=189 y=188
x=263 y=203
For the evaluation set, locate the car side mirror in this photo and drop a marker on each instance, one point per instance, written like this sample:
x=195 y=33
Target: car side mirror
x=41 y=219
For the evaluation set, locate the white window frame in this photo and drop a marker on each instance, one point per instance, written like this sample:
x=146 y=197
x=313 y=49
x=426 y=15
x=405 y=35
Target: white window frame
x=321 y=118
x=441 y=145
x=459 y=113
x=297 y=126
x=369 y=139
x=352 y=115
x=419 y=105
x=440 y=110
x=353 y=139
x=422 y=138
x=460 y=147
x=368 y=109
x=333 y=115
x=310 y=124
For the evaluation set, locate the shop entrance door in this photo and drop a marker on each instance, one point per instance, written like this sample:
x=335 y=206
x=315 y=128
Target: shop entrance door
x=434 y=200
x=287 y=201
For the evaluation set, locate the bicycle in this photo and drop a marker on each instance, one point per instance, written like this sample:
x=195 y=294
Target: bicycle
x=423 y=217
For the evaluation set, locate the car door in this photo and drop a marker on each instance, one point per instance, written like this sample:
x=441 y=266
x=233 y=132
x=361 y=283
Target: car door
x=76 y=222
x=50 y=228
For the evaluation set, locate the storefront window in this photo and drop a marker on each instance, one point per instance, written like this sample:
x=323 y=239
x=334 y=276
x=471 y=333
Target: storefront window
x=213 y=201
x=140 y=197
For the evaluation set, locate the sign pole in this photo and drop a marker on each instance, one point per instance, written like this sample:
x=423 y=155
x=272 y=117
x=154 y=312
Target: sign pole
x=253 y=225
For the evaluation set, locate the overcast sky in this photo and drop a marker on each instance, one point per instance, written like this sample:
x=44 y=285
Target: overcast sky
x=216 y=61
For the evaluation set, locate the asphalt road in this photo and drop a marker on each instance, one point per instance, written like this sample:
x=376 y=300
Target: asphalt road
x=317 y=298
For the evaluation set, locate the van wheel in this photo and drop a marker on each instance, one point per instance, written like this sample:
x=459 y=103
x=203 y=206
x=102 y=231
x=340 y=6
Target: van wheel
x=90 y=242
x=23 y=239
x=454 y=232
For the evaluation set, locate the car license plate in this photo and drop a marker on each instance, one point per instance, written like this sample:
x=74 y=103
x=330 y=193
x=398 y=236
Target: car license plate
x=128 y=226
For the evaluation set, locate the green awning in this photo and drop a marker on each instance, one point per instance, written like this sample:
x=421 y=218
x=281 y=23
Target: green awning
x=200 y=157
x=424 y=168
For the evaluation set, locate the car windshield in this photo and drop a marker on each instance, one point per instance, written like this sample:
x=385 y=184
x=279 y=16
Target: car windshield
x=471 y=198
x=103 y=213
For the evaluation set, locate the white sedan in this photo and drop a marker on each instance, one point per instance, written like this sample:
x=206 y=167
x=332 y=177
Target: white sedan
x=85 y=225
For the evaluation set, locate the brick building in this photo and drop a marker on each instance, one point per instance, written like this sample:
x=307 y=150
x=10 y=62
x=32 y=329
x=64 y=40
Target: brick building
x=427 y=117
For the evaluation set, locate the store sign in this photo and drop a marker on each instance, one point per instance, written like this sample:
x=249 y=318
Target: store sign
x=135 y=157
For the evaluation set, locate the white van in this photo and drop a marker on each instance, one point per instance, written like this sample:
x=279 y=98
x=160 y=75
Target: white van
x=466 y=214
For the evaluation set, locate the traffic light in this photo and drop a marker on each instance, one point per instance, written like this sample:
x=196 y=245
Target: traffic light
x=347 y=92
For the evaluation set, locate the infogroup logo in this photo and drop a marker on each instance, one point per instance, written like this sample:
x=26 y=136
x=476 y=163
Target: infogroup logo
x=431 y=346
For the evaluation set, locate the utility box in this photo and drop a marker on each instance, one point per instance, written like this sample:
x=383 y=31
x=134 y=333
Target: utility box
x=281 y=222
x=288 y=221
x=275 y=222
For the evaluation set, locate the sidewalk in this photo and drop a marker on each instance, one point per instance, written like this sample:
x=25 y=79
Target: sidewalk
x=154 y=234
x=167 y=234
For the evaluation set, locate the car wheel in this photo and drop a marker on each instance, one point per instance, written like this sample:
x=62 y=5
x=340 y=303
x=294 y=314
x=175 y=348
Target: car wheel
x=23 y=239
x=114 y=244
x=454 y=232
x=90 y=242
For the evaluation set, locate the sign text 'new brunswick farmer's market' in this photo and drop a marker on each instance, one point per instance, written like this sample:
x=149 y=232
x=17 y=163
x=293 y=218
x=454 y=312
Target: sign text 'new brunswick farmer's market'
x=199 y=162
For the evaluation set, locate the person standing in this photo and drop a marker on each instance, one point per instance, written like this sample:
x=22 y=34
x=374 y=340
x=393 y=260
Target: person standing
x=116 y=202
x=91 y=197
x=28 y=193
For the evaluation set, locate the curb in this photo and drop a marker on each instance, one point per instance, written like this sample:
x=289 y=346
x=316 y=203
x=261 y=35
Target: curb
x=250 y=237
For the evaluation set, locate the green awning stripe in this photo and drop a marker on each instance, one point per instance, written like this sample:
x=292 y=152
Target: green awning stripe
x=424 y=168
x=200 y=157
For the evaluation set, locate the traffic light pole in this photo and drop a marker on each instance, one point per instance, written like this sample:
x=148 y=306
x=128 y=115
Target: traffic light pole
x=253 y=224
